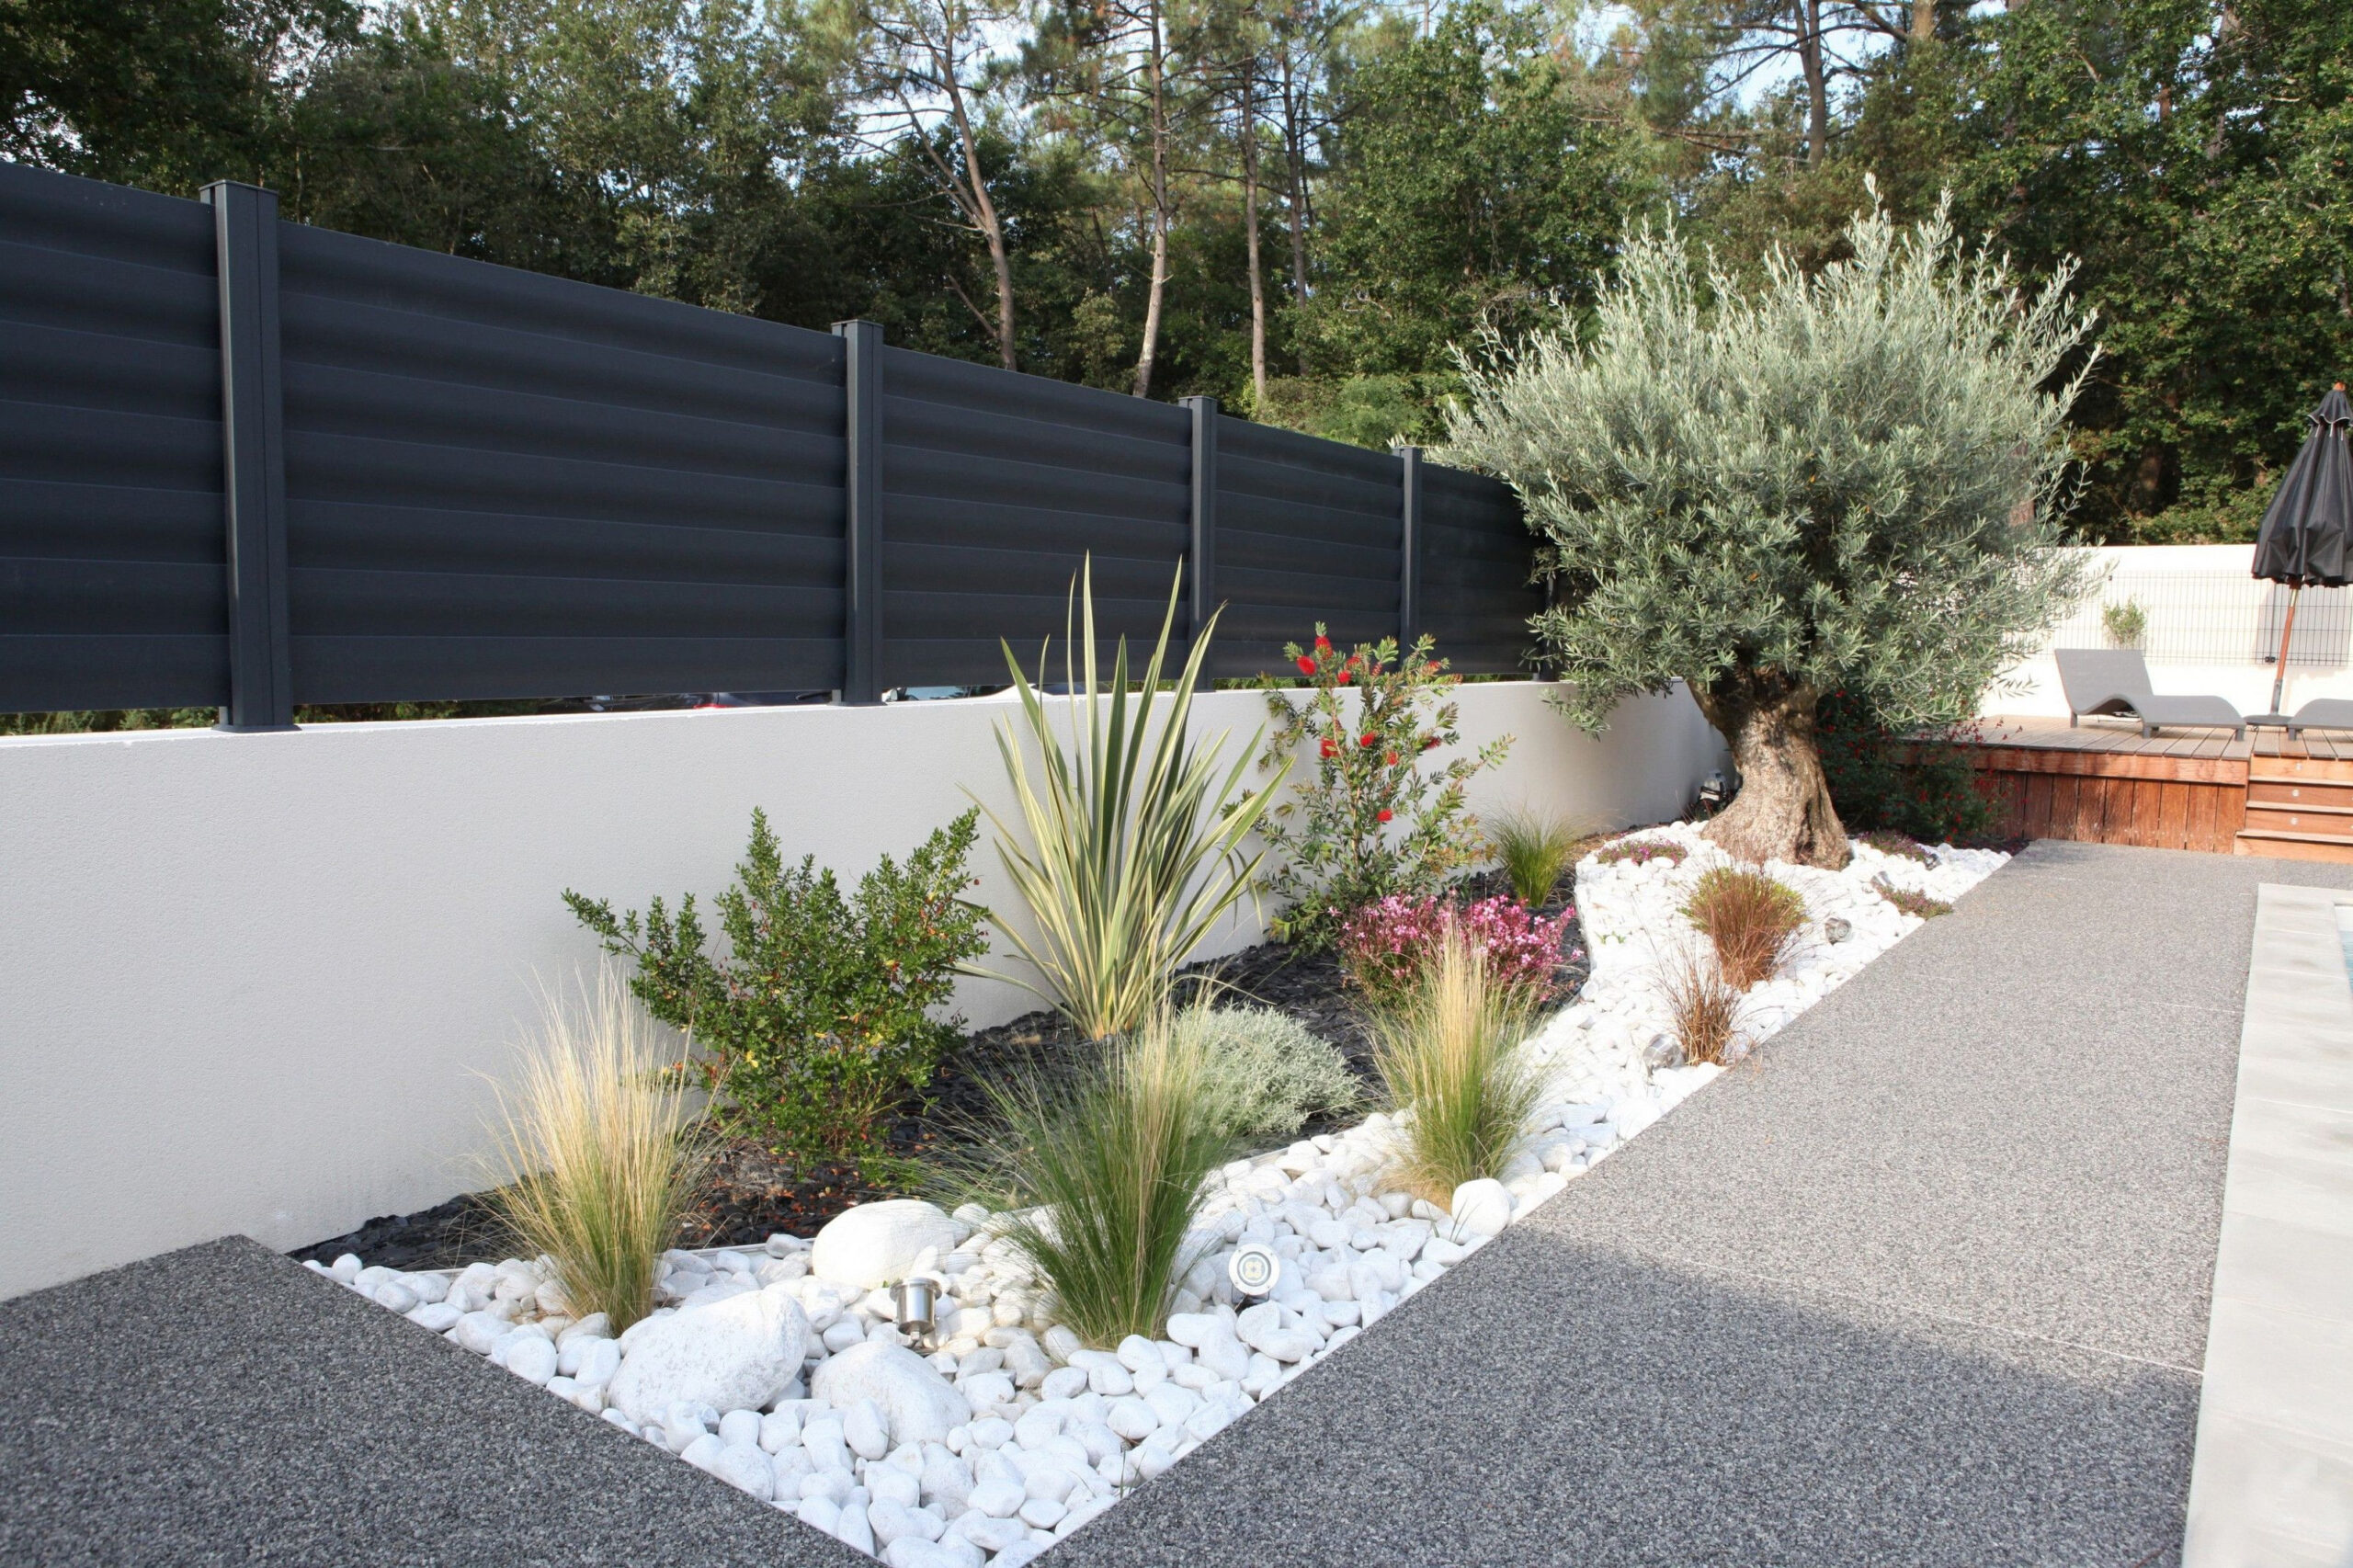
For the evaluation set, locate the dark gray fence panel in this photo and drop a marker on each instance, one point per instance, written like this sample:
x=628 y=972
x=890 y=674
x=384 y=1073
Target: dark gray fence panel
x=500 y=485
x=1308 y=530
x=996 y=487
x=1476 y=595
x=112 y=551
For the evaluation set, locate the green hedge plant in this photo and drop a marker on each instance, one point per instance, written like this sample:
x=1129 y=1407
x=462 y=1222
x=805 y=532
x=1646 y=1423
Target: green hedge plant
x=818 y=1013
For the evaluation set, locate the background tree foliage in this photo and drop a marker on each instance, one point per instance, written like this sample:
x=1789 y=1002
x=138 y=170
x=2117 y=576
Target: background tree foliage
x=1412 y=174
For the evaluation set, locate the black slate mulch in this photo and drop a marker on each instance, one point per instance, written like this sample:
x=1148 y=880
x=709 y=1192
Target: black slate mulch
x=752 y=1194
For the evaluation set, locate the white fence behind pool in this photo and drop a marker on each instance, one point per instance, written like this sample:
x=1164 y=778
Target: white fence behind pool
x=256 y=981
x=2211 y=628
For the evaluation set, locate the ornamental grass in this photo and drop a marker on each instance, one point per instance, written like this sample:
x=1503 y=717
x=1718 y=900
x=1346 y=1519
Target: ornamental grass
x=1449 y=1054
x=1110 y=1173
x=597 y=1158
x=1751 y=919
x=1704 y=1007
x=1536 y=850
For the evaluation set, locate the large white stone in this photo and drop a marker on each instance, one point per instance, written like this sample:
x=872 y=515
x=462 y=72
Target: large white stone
x=1481 y=1207
x=738 y=1354
x=532 y=1360
x=920 y=1405
x=743 y=1467
x=873 y=1245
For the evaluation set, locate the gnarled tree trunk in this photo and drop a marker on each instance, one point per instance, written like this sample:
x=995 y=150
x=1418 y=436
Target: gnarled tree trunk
x=1783 y=810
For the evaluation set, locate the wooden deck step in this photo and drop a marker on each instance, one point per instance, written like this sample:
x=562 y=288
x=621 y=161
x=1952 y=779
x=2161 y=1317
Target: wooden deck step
x=2265 y=788
x=2282 y=845
x=2277 y=769
x=2327 y=822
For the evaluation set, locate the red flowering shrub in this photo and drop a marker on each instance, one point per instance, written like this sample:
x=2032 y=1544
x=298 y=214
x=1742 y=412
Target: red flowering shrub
x=1386 y=945
x=1372 y=716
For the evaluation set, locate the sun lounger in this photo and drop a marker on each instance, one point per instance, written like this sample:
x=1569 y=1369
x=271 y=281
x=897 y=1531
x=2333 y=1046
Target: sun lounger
x=2321 y=713
x=2114 y=682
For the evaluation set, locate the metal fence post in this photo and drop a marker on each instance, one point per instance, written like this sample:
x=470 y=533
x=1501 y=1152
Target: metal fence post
x=253 y=440
x=1200 y=555
x=1409 y=548
x=862 y=498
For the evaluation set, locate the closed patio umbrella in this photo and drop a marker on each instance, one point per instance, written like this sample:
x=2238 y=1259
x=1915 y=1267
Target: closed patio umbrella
x=2307 y=534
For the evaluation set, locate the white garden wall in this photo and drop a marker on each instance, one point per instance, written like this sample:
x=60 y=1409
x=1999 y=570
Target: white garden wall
x=253 y=982
x=2212 y=629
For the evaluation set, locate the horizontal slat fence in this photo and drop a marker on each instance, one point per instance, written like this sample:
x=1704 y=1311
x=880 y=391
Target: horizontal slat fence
x=437 y=479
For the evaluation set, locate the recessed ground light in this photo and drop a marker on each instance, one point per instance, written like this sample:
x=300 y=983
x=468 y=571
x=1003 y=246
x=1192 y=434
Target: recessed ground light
x=1253 y=1270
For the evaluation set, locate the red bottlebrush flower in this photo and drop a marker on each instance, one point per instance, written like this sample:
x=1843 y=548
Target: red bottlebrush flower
x=1328 y=749
x=1344 y=677
x=1389 y=758
x=1430 y=742
x=1324 y=643
x=1430 y=668
x=1369 y=741
x=1385 y=813
x=1306 y=666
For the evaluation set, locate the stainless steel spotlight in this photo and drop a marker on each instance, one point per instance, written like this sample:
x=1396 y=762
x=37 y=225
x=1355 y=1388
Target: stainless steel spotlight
x=912 y=1301
x=1253 y=1269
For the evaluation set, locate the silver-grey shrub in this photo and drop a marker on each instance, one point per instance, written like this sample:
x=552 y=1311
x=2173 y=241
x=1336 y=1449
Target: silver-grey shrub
x=1267 y=1073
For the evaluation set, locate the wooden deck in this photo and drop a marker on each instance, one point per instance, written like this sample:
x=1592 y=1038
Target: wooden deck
x=2104 y=782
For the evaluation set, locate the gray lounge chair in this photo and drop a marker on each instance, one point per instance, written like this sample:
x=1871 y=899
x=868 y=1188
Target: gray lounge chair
x=2321 y=713
x=2114 y=682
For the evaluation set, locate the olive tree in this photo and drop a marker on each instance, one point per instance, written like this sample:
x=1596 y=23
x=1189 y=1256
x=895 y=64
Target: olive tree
x=1849 y=480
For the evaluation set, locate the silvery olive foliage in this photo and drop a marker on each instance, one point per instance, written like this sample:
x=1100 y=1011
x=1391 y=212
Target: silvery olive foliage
x=1824 y=480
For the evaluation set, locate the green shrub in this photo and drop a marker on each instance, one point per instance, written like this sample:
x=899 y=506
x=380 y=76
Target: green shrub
x=1921 y=782
x=1135 y=840
x=2125 y=622
x=1108 y=1174
x=818 y=1016
x=1451 y=1057
x=1268 y=1072
x=1370 y=821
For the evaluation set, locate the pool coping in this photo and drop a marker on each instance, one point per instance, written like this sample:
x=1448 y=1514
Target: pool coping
x=2272 y=1480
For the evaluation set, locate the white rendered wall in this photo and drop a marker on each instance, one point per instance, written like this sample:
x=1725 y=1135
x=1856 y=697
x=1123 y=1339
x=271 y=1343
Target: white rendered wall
x=2211 y=583
x=253 y=982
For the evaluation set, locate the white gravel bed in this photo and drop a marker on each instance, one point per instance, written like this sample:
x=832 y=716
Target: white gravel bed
x=779 y=1370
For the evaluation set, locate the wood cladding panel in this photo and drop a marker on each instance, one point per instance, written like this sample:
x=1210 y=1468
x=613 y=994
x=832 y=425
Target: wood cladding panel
x=2135 y=805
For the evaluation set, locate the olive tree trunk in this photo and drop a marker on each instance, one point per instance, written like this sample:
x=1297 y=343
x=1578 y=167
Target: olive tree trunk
x=1783 y=810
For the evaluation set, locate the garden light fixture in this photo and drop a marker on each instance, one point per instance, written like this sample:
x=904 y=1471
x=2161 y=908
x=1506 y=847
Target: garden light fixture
x=1253 y=1269
x=912 y=1301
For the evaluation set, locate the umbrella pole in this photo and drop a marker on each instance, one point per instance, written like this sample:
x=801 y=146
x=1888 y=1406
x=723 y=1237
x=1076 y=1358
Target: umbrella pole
x=2286 y=631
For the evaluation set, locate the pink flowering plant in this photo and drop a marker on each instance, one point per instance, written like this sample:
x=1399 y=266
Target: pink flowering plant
x=1385 y=945
x=1640 y=851
x=1370 y=820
